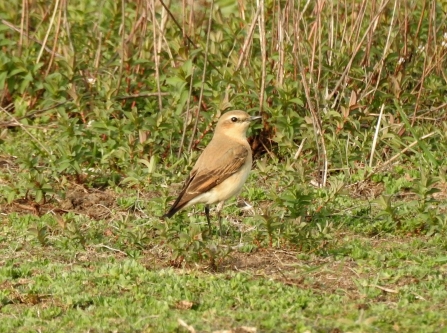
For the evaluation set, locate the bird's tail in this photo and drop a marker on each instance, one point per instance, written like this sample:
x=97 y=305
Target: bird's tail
x=179 y=202
x=174 y=209
x=169 y=214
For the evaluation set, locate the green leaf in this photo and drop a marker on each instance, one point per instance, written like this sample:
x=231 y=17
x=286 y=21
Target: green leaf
x=427 y=153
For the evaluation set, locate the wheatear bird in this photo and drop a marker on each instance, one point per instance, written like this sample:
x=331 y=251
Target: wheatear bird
x=222 y=168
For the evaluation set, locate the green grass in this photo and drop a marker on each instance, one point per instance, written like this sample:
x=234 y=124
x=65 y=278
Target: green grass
x=357 y=284
x=303 y=260
x=361 y=285
x=346 y=226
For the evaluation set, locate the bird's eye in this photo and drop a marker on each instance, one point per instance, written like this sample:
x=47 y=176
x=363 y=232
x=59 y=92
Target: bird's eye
x=233 y=119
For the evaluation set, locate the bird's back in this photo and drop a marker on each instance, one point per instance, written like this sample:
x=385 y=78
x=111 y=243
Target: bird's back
x=222 y=166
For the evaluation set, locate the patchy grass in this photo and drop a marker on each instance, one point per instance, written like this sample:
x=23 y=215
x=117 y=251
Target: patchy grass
x=342 y=225
x=117 y=271
x=362 y=284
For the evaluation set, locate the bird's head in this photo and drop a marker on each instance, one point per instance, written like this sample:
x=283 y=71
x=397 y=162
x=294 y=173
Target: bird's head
x=235 y=123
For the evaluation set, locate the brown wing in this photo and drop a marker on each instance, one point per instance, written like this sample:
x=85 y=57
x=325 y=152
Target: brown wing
x=204 y=179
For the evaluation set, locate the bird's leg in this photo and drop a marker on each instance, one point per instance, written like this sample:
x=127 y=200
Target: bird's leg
x=207 y=213
x=218 y=209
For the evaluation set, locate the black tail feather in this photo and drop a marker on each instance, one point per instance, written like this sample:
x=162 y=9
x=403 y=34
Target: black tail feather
x=174 y=209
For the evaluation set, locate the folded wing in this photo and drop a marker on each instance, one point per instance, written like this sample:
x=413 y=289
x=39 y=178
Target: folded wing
x=204 y=178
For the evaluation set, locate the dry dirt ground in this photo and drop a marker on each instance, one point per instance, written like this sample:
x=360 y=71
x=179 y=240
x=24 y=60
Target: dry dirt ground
x=96 y=204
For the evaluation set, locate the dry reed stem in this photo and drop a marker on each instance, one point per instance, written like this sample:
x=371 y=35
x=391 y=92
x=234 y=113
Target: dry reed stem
x=24 y=22
x=356 y=50
x=161 y=29
x=381 y=63
x=123 y=44
x=316 y=120
x=157 y=58
x=427 y=67
x=263 y=42
x=350 y=25
x=187 y=116
x=318 y=131
x=248 y=40
x=55 y=40
x=44 y=43
x=392 y=159
x=281 y=51
x=68 y=34
x=246 y=45
x=196 y=121
x=376 y=134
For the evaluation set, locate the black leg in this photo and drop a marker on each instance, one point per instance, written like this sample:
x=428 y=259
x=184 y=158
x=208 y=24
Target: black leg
x=219 y=217
x=220 y=224
x=207 y=213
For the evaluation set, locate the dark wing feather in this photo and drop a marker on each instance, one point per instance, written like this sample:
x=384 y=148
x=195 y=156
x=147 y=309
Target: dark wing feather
x=203 y=180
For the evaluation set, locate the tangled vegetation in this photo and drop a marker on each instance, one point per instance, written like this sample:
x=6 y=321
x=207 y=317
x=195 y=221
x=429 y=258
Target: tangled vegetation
x=104 y=107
